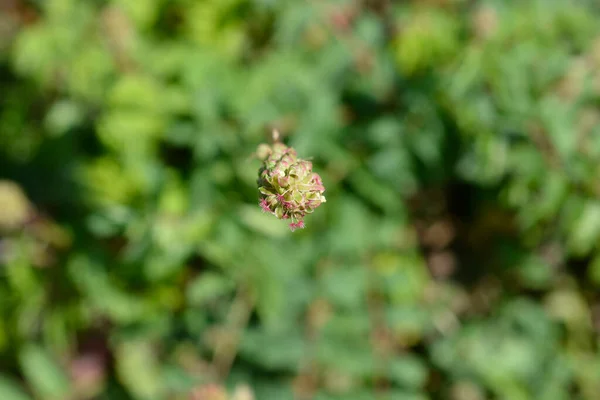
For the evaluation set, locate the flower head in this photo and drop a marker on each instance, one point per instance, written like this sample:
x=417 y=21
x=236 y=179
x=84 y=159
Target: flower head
x=287 y=186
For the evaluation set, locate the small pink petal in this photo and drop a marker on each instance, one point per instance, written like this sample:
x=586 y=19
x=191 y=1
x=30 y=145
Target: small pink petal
x=264 y=206
x=297 y=225
x=284 y=202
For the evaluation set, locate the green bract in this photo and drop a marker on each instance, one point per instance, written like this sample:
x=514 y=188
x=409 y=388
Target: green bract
x=288 y=187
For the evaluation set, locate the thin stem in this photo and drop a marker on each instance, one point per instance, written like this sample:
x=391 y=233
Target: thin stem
x=237 y=318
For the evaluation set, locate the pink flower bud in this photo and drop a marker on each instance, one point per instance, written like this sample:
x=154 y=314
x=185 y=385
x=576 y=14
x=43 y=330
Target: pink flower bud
x=287 y=186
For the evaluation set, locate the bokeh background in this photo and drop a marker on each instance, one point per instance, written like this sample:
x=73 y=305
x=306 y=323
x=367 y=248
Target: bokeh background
x=457 y=256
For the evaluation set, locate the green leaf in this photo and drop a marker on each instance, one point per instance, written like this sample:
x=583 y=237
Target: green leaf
x=46 y=377
x=408 y=371
x=586 y=229
x=207 y=287
x=138 y=369
x=346 y=286
x=9 y=390
x=274 y=351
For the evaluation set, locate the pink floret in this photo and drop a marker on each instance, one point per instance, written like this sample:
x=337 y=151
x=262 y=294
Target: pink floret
x=265 y=206
x=317 y=179
x=284 y=202
x=297 y=225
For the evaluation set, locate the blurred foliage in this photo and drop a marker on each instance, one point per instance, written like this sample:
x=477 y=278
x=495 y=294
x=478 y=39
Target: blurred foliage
x=457 y=256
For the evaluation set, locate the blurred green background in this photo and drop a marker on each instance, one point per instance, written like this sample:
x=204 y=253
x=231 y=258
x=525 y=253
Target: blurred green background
x=457 y=256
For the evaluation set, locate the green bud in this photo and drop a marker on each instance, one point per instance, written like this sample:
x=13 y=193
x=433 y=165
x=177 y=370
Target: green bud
x=287 y=186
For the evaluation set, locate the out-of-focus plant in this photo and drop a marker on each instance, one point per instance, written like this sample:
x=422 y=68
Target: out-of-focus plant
x=459 y=144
